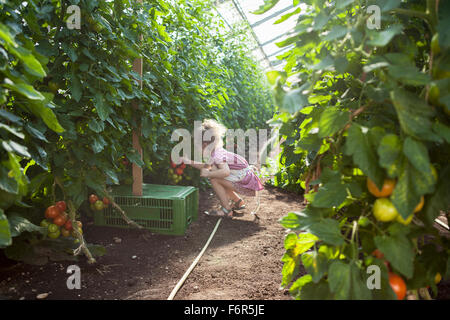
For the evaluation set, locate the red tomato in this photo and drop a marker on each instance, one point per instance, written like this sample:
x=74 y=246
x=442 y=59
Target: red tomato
x=68 y=225
x=93 y=198
x=173 y=164
x=377 y=253
x=61 y=206
x=59 y=220
x=398 y=285
x=52 y=212
x=106 y=201
x=179 y=171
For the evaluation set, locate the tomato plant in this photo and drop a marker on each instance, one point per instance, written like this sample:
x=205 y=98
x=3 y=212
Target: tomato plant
x=356 y=110
x=70 y=100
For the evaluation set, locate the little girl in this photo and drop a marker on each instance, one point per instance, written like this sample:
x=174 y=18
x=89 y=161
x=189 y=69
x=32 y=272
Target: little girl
x=230 y=174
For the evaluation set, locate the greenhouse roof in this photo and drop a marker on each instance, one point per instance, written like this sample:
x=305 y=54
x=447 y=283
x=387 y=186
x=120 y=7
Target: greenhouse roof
x=261 y=27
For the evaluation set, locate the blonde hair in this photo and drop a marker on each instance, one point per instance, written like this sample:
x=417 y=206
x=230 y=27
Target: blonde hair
x=216 y=131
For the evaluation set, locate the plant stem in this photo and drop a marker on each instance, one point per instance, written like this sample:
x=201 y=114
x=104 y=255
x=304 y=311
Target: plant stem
x=124 y=215
x=412 y=13
x=83 y=247
x=354 y=232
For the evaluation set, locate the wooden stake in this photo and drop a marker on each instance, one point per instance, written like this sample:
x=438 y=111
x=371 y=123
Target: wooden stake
x=137 y=171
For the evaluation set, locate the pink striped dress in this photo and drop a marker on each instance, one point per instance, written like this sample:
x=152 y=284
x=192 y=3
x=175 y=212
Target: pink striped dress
x=243 y=177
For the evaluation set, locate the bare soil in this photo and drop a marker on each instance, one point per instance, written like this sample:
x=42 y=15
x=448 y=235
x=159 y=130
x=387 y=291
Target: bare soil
x=242 y=261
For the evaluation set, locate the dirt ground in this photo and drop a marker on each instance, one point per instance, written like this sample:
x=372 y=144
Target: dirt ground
x=242 y=261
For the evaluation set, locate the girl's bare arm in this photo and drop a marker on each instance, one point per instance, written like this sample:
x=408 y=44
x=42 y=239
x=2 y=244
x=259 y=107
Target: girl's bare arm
x=221 y=171
x=195 y=164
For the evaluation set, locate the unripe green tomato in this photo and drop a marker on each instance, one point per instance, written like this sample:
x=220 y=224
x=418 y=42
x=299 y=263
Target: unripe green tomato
x=384 y=210
x=44 y=223
x=99 y=205
x=54 y=235
x=434 y=94
x=53 y=87
x=435 y=48
x=52 y=228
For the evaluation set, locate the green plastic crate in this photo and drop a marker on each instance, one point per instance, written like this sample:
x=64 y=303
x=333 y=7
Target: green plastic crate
x=161 y=208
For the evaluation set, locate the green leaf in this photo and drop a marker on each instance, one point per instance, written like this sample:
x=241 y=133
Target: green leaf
x=440 y=199
x=18 y=149
x=274 y=75
x=288 y=15
x=327 y=230
x=442 y=130
x=404 y=196
x=331 y=121
x=96 y=126
x=46 y=114
x=112 y=175
x=335 y=33
x=23 y=89
x=315 y=291
x=75 y=87
x=444 y=24
x=6 y=35
x=364 y=156
x=409 y=75
x=103 y=110
x=290 y=268
x=294 y=101
x=399 y=251
x=19 y=224
x=320 y=20
x=7 y=183
x=135 y=157
x=417 y=154
x=330 y=194
x=325 y=64
x=36 y=132
x=12 y=130
x=382 y=38
x=346 y=282
x=268 y=4
x=5 y=233
x=389 y=152
x=310 y=142
x=413 y=113
x=99 y=143
x=298 y=284
x=343 y=3
x=316 y=264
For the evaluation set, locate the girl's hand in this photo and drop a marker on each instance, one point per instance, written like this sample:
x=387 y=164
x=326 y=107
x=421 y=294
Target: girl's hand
x=204 y=173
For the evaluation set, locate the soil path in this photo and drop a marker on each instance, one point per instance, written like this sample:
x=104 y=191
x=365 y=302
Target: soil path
x=242 y=261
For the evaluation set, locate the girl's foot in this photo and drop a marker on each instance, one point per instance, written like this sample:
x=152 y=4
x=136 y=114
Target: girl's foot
x=238 y=205
x=222 y=212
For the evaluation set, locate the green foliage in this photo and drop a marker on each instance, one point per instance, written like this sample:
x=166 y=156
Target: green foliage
x=69 y=98
x=364 y=103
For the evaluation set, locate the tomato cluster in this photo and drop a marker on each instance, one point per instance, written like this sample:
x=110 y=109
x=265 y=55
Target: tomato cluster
x=383 y=209
x=176 y=171
x=57 y=221
x=98 y=205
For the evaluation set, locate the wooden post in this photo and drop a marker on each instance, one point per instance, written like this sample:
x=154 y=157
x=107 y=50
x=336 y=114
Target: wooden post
x=137 y=171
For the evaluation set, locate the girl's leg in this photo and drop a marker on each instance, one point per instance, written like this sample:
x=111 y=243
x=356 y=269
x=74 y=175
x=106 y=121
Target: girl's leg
x=231 y=193
x=225 y=191
x=221 y=192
